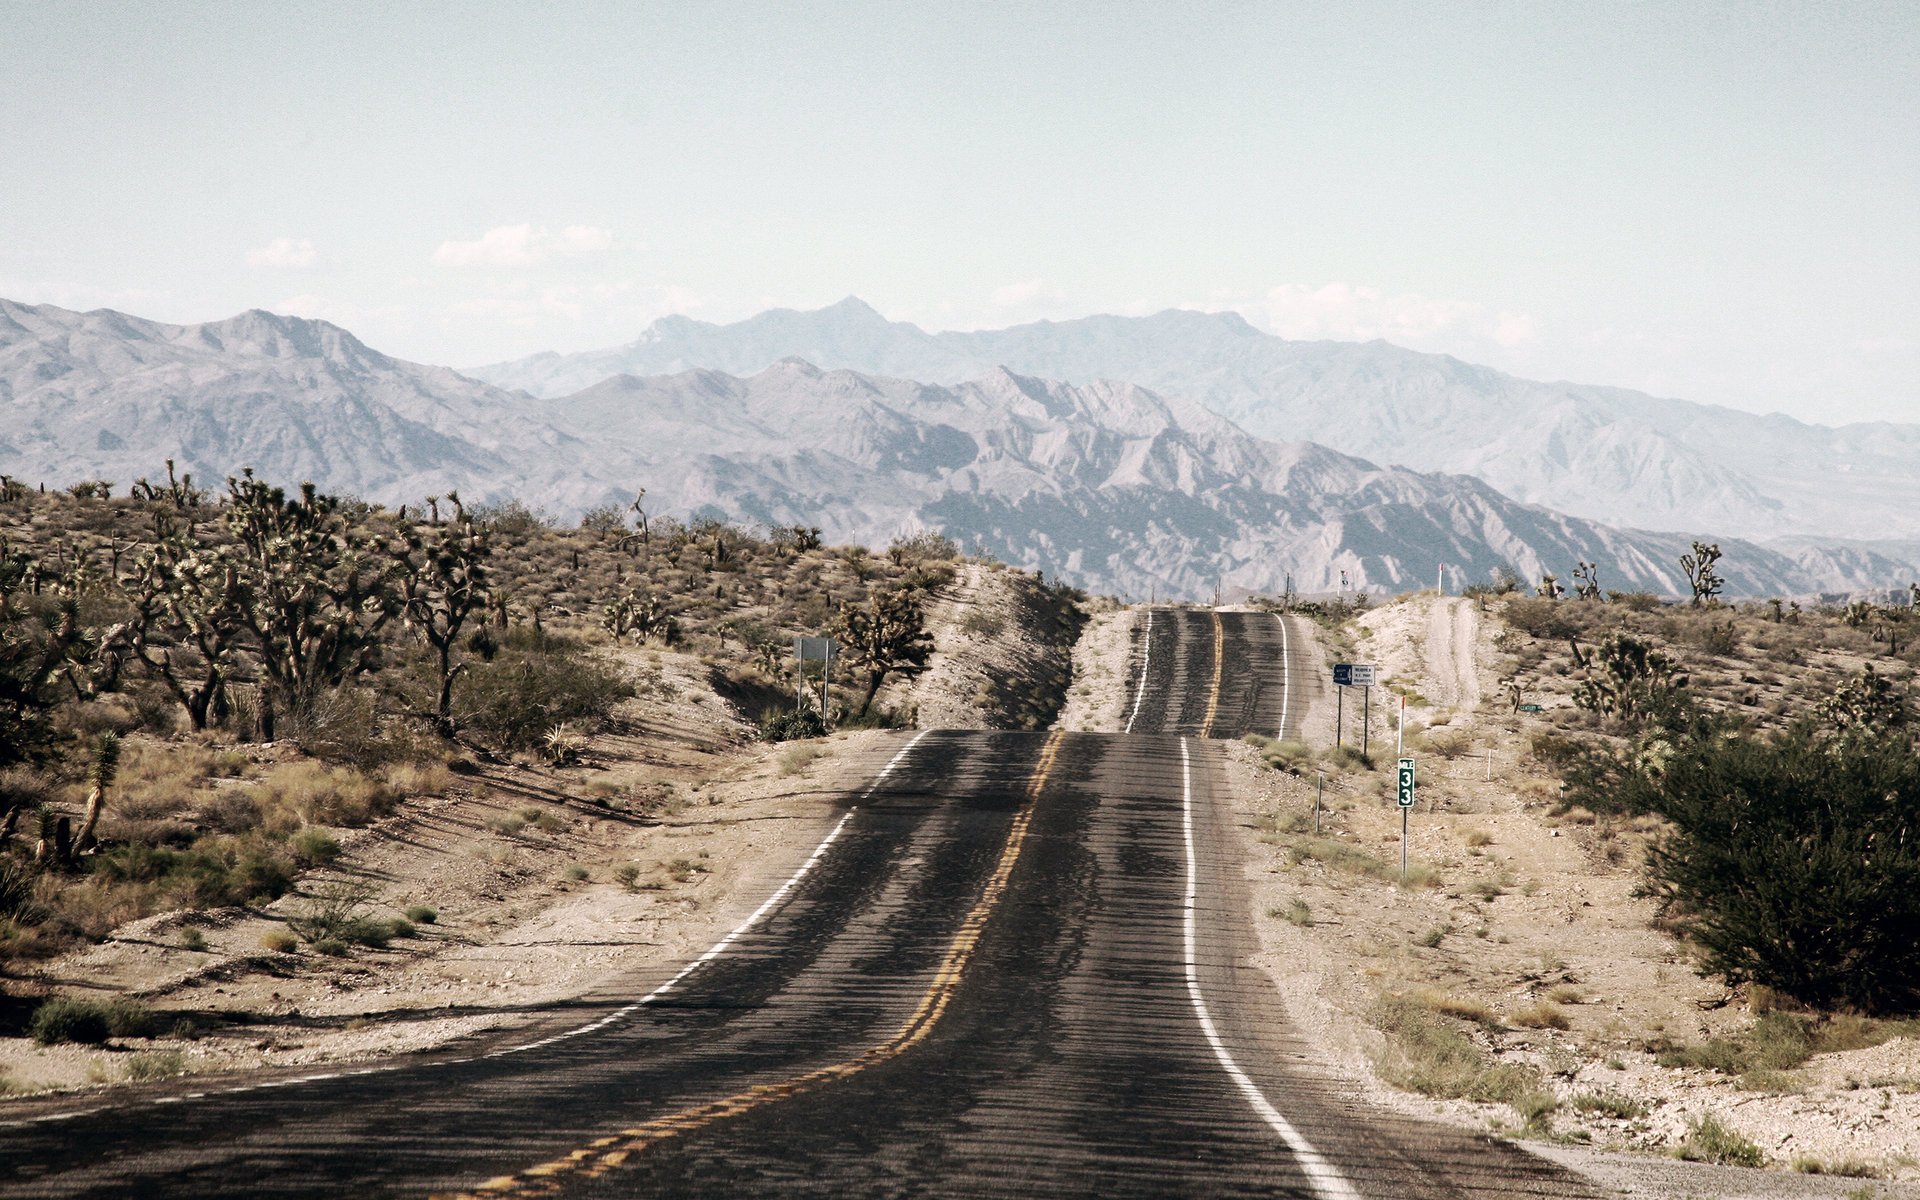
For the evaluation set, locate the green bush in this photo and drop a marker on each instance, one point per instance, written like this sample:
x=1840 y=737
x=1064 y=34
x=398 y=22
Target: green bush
x=89 y=1022
x=1711 y=1142
x=788 y=725
x=313 y=847
x=1794 y=861
x=533 y=687
x=66 y=1020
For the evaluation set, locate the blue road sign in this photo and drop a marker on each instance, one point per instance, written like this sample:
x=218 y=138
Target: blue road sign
x=1343 y=674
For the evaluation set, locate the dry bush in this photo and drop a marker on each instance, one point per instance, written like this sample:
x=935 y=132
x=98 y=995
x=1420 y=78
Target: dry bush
x=314 y=793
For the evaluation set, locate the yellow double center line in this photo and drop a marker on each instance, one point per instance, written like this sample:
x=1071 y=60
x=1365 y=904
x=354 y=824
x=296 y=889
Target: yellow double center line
x=1219 y=663
x=608 y=1153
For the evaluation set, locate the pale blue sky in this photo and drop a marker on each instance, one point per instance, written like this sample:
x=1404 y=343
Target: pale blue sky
x=1716 y=202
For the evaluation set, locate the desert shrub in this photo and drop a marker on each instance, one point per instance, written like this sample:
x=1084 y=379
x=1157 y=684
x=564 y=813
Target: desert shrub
x=1611 y=1104
x=1639 y=602
x=279 y=941
x=89 y=1022
x=156 y=1064
x=789 y=725
x=1709 y=1141
x=533 y=686
x=1428 y=1055
x=1541 y=1015
x=510 y=517
x=320 y=794
x=421 y=914
x=62 y=1019
x=337 y=723
x=313 y=847
x=214 y=873
x=336 y=915
x=1793 y=860
x=1541 y=618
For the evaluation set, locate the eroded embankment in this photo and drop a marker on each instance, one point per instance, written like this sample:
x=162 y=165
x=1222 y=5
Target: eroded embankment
x=1003 y=653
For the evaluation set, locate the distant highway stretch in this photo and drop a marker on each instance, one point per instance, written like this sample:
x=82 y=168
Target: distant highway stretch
x=1018 y=965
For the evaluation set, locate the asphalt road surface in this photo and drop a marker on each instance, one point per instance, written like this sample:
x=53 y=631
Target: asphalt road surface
x=1016 y=967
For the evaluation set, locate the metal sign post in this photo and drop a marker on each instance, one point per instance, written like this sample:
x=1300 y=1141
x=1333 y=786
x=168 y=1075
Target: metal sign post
x=1405 y=798
x=1360 y=675
x=1342 y=679
x=823 y=649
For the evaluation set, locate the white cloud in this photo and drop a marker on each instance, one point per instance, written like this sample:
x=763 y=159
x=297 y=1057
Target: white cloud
x=284 y=252
x=524 y=245
x=1511 y=329
x=1014 y=295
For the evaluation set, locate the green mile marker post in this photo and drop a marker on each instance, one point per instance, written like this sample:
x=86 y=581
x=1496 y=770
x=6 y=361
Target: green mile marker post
x=1406 y=806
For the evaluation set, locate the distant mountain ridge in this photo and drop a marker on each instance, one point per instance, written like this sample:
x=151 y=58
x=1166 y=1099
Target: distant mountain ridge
x=1108 y=485
x=1605 y=453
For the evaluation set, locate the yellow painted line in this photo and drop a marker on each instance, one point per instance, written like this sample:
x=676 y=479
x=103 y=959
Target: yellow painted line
x=597 y=1158
x=1219 y=662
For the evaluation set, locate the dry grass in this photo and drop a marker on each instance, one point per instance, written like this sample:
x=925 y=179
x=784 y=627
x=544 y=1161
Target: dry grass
x=1426 y=1054
x=313 y=793
x=1541 y=1015
x=1464 y=1007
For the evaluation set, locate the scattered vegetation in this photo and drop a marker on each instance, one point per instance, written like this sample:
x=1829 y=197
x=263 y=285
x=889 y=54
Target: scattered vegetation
x=1709 y=1141
x=153 y=642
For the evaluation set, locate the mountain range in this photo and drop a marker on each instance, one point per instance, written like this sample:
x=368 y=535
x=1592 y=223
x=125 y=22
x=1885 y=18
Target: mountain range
x=1107 y=484
x=1605 y=453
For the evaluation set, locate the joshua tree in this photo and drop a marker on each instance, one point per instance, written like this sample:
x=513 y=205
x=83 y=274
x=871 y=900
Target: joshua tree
x=1701 y=577
x=443 y=583
x=106 y=764
x=888 y=636
x=1629 y=679
x=1549 y=588
x=1586 y=580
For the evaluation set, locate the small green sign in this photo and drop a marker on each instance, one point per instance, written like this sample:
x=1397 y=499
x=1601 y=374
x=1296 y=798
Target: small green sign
x=1406 y=783
x=1530 y=708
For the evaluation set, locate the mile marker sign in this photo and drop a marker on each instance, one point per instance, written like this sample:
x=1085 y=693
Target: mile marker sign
x=1406 y=783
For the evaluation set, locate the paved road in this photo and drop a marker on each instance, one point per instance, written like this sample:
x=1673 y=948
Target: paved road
x=1016 y=968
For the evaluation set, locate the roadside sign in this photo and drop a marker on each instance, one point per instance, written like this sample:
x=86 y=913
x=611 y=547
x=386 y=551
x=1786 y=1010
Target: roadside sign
x=1362 y=674
x=1343 y=674
x=818 y=648
x=1406 y=783
x=1531 y=708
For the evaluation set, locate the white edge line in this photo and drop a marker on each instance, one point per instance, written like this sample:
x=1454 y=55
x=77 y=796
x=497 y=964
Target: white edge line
x=1286 y=677
x=717 y=948
x=1146 y=656
x=1326 y=1179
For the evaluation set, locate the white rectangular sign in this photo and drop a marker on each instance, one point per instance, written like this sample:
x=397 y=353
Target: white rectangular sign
x=1363 y=675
